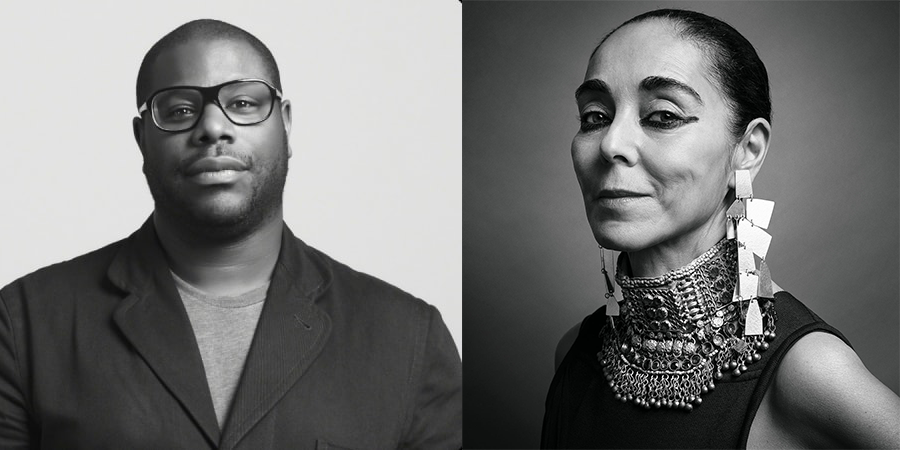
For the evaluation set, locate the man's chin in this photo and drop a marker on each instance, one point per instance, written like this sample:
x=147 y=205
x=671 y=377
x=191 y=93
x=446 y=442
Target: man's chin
x=219 y=215
x=226 y=221
x=215 y=221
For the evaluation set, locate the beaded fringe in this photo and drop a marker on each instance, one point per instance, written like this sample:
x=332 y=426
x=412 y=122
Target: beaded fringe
x=679 y=333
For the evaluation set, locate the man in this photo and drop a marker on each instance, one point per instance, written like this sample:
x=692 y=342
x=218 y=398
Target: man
x=212 y=326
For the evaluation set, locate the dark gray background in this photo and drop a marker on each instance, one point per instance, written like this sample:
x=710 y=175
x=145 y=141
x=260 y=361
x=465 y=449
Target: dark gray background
x=530 y=265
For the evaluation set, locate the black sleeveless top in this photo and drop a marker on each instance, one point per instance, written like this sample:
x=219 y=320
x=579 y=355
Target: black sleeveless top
x=581 y=411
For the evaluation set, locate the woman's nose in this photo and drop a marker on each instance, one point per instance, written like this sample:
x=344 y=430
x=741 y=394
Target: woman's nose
x=619 y=143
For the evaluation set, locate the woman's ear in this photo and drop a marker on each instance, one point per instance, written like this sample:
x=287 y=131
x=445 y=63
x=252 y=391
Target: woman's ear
x=751 y=150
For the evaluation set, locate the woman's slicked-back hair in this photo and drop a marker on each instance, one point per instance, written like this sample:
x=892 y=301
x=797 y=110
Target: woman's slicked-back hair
x=733 y=61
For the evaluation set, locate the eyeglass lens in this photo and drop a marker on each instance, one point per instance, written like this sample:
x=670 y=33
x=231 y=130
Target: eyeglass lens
x=244 y=103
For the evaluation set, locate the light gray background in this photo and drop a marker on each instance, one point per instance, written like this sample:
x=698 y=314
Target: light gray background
x=375 y=180
x=531 y=267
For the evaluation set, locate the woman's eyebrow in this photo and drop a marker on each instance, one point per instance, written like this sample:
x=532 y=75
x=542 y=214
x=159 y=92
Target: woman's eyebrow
x=655 y=83
x=594 y=85
x=647 y=84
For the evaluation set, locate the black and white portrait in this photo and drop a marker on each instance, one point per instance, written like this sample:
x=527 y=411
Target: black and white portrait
x=566 y=148
x=231 y=225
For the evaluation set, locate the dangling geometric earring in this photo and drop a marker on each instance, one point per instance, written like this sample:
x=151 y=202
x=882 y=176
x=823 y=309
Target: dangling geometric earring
x=612 y=296
x=747 y=217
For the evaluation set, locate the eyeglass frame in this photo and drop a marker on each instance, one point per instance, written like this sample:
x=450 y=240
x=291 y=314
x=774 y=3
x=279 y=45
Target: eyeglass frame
x=207 y=93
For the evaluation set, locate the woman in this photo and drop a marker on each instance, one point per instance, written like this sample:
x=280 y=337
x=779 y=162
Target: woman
x=675 y=121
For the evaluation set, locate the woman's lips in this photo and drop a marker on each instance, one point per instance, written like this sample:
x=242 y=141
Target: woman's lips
x=618 y=197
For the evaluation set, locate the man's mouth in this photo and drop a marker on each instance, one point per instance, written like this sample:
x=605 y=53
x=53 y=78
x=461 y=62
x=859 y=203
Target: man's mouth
x=215 y=164
x=216 y=170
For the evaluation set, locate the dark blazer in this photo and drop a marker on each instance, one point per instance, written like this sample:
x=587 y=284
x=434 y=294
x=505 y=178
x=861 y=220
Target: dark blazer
x=97 y=352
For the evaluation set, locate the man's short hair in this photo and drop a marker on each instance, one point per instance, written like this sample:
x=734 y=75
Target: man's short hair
x=207 y=29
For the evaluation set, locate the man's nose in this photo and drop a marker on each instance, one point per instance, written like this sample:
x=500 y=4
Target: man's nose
x=213 y=126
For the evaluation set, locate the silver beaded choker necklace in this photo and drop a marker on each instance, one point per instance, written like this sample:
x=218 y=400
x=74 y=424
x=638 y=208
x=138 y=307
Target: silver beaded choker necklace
x=680 y=332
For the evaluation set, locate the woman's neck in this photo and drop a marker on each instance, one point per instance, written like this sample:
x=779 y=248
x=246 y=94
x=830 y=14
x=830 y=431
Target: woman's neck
x=676 y=252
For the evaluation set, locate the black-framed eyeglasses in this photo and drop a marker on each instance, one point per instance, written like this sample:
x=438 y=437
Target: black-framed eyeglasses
x=244 y=102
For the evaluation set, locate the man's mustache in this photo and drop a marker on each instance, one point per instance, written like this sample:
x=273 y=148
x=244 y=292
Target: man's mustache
x=215 y=152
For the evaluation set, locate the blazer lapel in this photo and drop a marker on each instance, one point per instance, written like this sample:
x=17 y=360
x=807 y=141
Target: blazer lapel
x=153 y=319
x=291 y=332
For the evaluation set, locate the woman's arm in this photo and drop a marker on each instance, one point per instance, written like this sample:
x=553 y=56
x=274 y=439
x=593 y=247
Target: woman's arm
x=823 y=396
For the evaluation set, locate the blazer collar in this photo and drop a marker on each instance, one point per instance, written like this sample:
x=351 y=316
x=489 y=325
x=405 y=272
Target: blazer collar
x=291 y=332
x=141 y=263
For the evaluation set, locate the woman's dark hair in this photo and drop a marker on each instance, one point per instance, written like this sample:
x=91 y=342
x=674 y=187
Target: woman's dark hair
x=733 y=62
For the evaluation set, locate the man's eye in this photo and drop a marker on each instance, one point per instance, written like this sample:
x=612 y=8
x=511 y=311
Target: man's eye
x=242 y=104
x=592 y=120
x=180 y=112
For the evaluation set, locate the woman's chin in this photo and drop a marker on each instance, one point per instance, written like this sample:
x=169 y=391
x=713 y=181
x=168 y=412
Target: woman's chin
x=621 y=238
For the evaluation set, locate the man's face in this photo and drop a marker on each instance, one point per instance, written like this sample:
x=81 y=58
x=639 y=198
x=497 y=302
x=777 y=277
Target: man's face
x=217 y=176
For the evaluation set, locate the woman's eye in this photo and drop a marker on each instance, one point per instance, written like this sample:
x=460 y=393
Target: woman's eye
x=662 y=119
x=592 y=120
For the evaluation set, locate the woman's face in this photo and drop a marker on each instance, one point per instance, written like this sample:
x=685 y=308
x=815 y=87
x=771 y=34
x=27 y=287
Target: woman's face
x=653 y=154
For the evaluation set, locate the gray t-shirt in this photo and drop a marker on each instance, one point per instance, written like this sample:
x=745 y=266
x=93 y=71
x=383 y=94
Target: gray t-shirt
x=224 y=328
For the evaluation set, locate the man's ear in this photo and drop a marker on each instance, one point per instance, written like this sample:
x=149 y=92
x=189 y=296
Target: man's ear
x=286 y=120
x=750 y=151
x=137 y=127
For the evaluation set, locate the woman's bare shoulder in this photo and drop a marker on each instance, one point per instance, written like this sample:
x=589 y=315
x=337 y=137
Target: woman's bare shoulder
x=824 y=395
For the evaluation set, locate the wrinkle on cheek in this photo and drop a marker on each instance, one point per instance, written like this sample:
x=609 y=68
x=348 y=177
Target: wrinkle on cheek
x=675 y=184
x=669 y=168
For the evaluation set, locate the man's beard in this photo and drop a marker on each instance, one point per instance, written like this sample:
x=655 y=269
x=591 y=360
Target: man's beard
x=221 y=223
